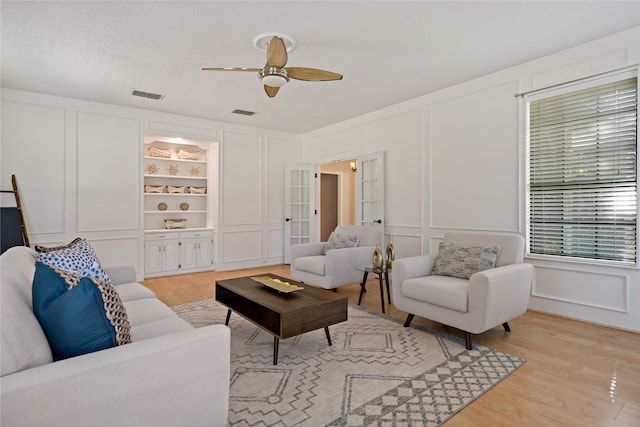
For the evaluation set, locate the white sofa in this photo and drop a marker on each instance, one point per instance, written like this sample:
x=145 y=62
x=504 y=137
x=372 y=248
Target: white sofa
x=170 y=375
x=339 y=266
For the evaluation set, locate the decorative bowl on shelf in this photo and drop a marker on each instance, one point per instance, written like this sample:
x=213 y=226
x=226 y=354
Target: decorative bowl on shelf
x=171 y=224
x=175 y=189
x=150 y=188
x=184 y=206
x=162 y=206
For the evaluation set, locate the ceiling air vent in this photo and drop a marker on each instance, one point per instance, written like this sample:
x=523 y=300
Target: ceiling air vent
x=243 y=112
x=146 y=94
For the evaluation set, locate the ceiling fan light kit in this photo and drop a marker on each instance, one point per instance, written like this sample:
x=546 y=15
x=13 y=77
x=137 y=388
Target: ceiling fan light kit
x=274 y=75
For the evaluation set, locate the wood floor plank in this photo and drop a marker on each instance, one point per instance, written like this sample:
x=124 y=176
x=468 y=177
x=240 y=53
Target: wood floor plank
x=577 y=373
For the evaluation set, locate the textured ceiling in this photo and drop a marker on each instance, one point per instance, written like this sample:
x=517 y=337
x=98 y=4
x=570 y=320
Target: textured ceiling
x=388 y=51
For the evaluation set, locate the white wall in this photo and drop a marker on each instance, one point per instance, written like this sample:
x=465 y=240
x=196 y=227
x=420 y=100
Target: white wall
x=456 y=161
x=80 y=173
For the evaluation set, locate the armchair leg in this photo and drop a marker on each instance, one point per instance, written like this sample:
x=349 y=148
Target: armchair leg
x=467 y=340
x=506 y=326
x=409 y=320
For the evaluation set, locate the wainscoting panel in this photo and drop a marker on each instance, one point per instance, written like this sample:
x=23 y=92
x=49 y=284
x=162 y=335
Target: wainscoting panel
x=239 y=246
x=33 y=148
x=241 y=179
x=609 y=291
x=474 y=166
x=108 y=173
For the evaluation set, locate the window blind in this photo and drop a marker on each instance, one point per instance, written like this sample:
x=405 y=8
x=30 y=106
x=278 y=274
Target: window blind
x=583 y=173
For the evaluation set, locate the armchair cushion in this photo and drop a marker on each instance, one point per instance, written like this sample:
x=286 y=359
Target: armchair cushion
x=463 y=261
x=339 y=241
x=312 y=264
x=78 y=315
x=445 y=291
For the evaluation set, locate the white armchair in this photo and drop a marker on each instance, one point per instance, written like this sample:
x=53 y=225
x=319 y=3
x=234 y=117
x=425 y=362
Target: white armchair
x=338 y=266
x=483 y=301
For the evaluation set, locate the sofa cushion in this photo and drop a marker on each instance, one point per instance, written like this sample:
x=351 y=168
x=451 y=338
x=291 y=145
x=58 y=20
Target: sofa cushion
x=79 y=315
x=133 y=291
x=339 y=241
x=463 y=261
x=23 y=344
x=311 y=264
x=77 y=257
x=445 y=291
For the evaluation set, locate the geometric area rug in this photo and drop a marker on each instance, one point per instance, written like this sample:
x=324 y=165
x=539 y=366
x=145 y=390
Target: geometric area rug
x=376 y=373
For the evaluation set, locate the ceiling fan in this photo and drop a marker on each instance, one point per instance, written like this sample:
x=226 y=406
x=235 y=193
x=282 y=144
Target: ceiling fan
x=274 y=74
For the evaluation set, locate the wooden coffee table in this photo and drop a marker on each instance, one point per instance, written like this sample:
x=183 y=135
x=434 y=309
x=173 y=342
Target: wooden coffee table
x=284 y=315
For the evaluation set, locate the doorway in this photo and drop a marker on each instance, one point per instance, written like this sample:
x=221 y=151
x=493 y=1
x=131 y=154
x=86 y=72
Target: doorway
x=337 y=196
x=329 y=199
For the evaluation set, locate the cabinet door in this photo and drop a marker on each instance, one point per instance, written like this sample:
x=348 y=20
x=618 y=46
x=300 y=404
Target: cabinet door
x=153 y=256
x=171 y=255
x=205 y=252
x=189 y=254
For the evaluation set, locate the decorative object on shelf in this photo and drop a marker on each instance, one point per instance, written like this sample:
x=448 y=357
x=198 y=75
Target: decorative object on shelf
x=184 y=206
x=195 y=171
x=151 y=169
x=197 y=190
x=175 y=189
x=162 y=206
x=173 y=170
x=377 y=260
x=171 y=224
x=150 y=188
x=188 y=155
x=390 y=255
x=159 y=152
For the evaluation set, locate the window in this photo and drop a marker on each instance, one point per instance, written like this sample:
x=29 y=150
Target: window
x=583 y=198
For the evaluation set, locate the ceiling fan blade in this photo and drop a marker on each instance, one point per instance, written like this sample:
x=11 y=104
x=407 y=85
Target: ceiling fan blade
x=232 y=69
x=271 y=90
x=276 y=53
x=311 y=74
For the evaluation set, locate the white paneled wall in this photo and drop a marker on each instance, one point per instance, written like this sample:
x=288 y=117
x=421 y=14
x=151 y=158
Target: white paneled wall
x=456 y=161
x=80 y=171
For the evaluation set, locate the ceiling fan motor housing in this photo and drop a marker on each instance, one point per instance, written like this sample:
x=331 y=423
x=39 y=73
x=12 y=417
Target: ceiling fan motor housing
x=273 y=76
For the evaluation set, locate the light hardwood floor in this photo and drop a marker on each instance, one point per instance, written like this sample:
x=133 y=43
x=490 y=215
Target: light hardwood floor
x=576 y=374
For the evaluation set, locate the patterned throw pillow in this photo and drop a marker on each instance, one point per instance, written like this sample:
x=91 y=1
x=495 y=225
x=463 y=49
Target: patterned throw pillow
x=78 y=258
x=78 y=315
x=339 y=241
x=463 y=261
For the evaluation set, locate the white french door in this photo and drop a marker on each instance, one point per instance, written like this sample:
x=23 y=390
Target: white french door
x=370 y=192
x=299 y=206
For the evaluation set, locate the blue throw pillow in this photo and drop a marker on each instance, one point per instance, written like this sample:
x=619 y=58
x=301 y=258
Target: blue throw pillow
x=78 y=315
x=77 y=257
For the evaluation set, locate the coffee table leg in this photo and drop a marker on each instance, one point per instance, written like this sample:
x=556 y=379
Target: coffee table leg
x=363 y=286
x=326 y=331
x=226 y=322
x=276 y=346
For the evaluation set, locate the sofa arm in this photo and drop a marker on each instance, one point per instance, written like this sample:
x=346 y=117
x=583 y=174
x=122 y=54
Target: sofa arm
x=306 y=249
x=409 y=268
x=169 y=380
x=499 y=294
x=121 y=274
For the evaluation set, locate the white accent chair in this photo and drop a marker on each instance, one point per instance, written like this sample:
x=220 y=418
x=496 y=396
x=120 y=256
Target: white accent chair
x=338 y=267
x=487 y=299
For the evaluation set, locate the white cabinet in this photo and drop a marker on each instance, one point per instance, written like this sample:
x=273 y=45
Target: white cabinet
x=161 y=254
x=197 y=250
x=175 y=252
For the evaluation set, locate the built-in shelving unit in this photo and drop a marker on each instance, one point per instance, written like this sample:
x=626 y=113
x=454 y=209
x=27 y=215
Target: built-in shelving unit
x=177 y=217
